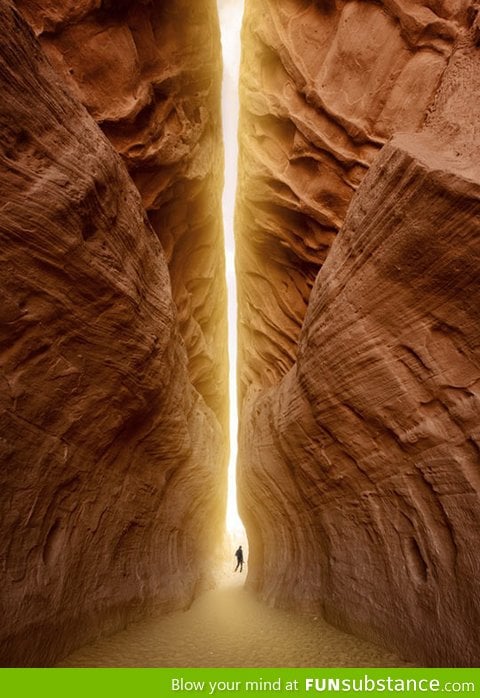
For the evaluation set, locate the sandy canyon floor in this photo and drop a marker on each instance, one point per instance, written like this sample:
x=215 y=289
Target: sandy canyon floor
x=228 y=626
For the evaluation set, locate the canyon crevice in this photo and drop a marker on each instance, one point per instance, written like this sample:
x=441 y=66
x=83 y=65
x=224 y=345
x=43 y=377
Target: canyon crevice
x=359 y=247
x=113 y=333
x=359 y=305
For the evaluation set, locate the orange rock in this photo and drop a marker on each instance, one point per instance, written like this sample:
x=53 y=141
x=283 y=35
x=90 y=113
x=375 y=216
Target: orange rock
x=150 y=74
x=111 y=495
x=359 y=465
x=324 y=85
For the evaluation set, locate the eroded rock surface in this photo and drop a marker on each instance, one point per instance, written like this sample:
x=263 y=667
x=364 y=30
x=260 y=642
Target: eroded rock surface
x=111 y=490
x=150 y=74
x=360 y=474
x=324 y=85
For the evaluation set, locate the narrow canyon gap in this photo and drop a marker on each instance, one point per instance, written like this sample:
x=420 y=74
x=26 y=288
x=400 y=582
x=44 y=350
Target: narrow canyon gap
x=357 y=249
x=230 y=16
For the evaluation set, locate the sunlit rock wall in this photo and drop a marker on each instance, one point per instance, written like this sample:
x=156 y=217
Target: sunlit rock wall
x=360 y=467
x=324 y=84
x=150 y=74
x=111 y=494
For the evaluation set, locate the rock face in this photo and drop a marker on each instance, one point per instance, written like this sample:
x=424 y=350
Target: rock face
x=360 y=474
x=150 y=73
x=324 y=85
x=112 y=463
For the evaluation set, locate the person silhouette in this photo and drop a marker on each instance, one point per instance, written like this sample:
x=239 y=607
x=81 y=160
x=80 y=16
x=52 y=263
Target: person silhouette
x=239 y=556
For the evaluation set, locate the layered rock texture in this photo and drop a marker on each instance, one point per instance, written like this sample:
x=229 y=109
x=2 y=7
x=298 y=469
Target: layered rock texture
x=150 y=74
x=324 y=85
x=360 y=434
x=112 y=475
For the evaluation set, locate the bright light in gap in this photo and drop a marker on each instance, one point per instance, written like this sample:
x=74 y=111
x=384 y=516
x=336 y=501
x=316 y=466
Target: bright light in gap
x=231 y=13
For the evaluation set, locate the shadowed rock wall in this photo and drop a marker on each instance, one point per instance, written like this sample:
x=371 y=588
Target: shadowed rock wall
x=150 y=74
x=360 y=467
x=112 y=475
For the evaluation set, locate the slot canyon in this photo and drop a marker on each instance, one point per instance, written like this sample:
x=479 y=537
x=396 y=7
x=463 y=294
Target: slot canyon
x=357 y=246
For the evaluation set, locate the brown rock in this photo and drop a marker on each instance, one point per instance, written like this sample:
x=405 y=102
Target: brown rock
x=359 y=469
x=324 y=85
x=111 y=492
x=150 y=74
x=360 y=482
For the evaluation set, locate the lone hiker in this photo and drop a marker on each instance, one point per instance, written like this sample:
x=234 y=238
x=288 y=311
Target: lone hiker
x=239 y=556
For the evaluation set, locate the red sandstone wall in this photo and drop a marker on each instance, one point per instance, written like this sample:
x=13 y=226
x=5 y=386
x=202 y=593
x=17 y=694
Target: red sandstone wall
x=360 y=464
x=150 y=73
x=324 y=85
x=112 y=463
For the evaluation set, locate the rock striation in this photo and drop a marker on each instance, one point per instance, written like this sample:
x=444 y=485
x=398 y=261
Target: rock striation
x=111 y=492
x=150 y=74
x=324 y=85
x=360 y=451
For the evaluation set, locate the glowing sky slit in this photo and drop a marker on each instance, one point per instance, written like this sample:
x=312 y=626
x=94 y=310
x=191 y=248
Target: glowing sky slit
x=230 y=13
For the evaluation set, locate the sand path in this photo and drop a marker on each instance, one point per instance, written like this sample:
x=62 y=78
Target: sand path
x=229 y=627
